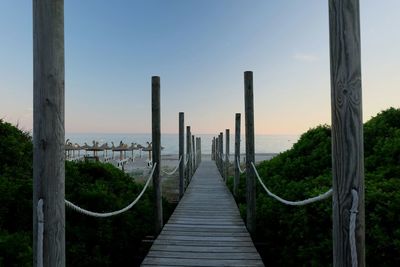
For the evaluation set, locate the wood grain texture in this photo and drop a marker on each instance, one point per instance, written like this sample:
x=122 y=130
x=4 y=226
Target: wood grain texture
x=250 y=157
x=156 y=149
x=347 y=127
x=48 y=128
x=236 y=178
x=181 y=154
x=205 y=229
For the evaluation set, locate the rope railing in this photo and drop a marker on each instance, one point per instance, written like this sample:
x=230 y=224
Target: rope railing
x=40 y=231
x=353 y=212
x=187 y=160
x=109 y=214
x=176 y=168
x=238 y=165
x=292 y=203
x=352 y=228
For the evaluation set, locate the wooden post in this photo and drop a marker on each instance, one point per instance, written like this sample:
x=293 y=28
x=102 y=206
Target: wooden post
x=226 y=154
x=213 y=149
x=188 y=154
x=49 y=131
x=250 y=158
x=217 y=151
x=347 y=128
x=194 y=155
x=200 y=149
x=156 y=148
x=181 y=153
x=197 y=151
x=237 y=154
x=221 y=149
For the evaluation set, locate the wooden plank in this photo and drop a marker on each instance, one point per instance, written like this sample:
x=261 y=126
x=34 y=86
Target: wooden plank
x=206 y=228
x=190 y=233
x=203 y=262
x=205 y=255
x=49 y=131
x=211 y=243
x=202 y=249
x=347 y=128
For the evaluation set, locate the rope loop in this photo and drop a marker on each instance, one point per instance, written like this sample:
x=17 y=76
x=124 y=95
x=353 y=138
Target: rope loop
x=176 y=168
x=238 y=165
x=109 y=214
x=292 y=203
x=352 y=228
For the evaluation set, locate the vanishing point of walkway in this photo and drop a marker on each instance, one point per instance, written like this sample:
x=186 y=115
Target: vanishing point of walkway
x=206 y=228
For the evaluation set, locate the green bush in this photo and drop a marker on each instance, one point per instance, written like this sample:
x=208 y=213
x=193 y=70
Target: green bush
x=301 y=236
x=115 y=241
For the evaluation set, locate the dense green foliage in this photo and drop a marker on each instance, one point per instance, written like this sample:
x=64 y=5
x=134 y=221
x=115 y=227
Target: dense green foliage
x=15 y=196
x=115 y=241
x=301 y=236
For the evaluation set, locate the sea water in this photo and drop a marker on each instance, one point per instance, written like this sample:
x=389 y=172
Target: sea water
x=170 y=142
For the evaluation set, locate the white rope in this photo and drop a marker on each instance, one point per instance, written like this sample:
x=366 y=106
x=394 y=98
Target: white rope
x=187 y=160
x=40 y=230
x=109 y=214
x=176 y=168
x=352 y=228
x=238 y=165
x=293 y=203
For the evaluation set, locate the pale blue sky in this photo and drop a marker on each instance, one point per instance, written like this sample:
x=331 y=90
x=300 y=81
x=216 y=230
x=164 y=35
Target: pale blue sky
x=200 y=48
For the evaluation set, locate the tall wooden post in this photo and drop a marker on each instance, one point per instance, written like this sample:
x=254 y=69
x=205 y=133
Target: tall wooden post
x=194 y=155
x=217 y=151
x=213 y=149
x=48 y=132
x=347 y=128
x=156 y=148
x=181 y=153
x=250 y=158
x=200 y=153
x=188 y=154
x=226 y=154
x=197 y=152
x=221 y=150
x=237 y=154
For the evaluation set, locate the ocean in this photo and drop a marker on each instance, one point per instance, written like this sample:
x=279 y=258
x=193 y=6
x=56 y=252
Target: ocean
x=263 y=143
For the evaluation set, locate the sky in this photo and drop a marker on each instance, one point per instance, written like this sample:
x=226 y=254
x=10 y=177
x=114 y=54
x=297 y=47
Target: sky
x=200 y=49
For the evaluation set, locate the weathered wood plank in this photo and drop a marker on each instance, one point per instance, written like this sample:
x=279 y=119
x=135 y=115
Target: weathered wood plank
x=202 y=249
x=206 y=228
x=202 y=262
x=205 y=255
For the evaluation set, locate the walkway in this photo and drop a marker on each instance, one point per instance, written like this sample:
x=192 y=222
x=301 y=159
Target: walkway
x=205 y=229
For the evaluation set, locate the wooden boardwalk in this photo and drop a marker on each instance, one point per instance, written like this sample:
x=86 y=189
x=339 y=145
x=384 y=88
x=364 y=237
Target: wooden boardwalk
x=206 y=228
